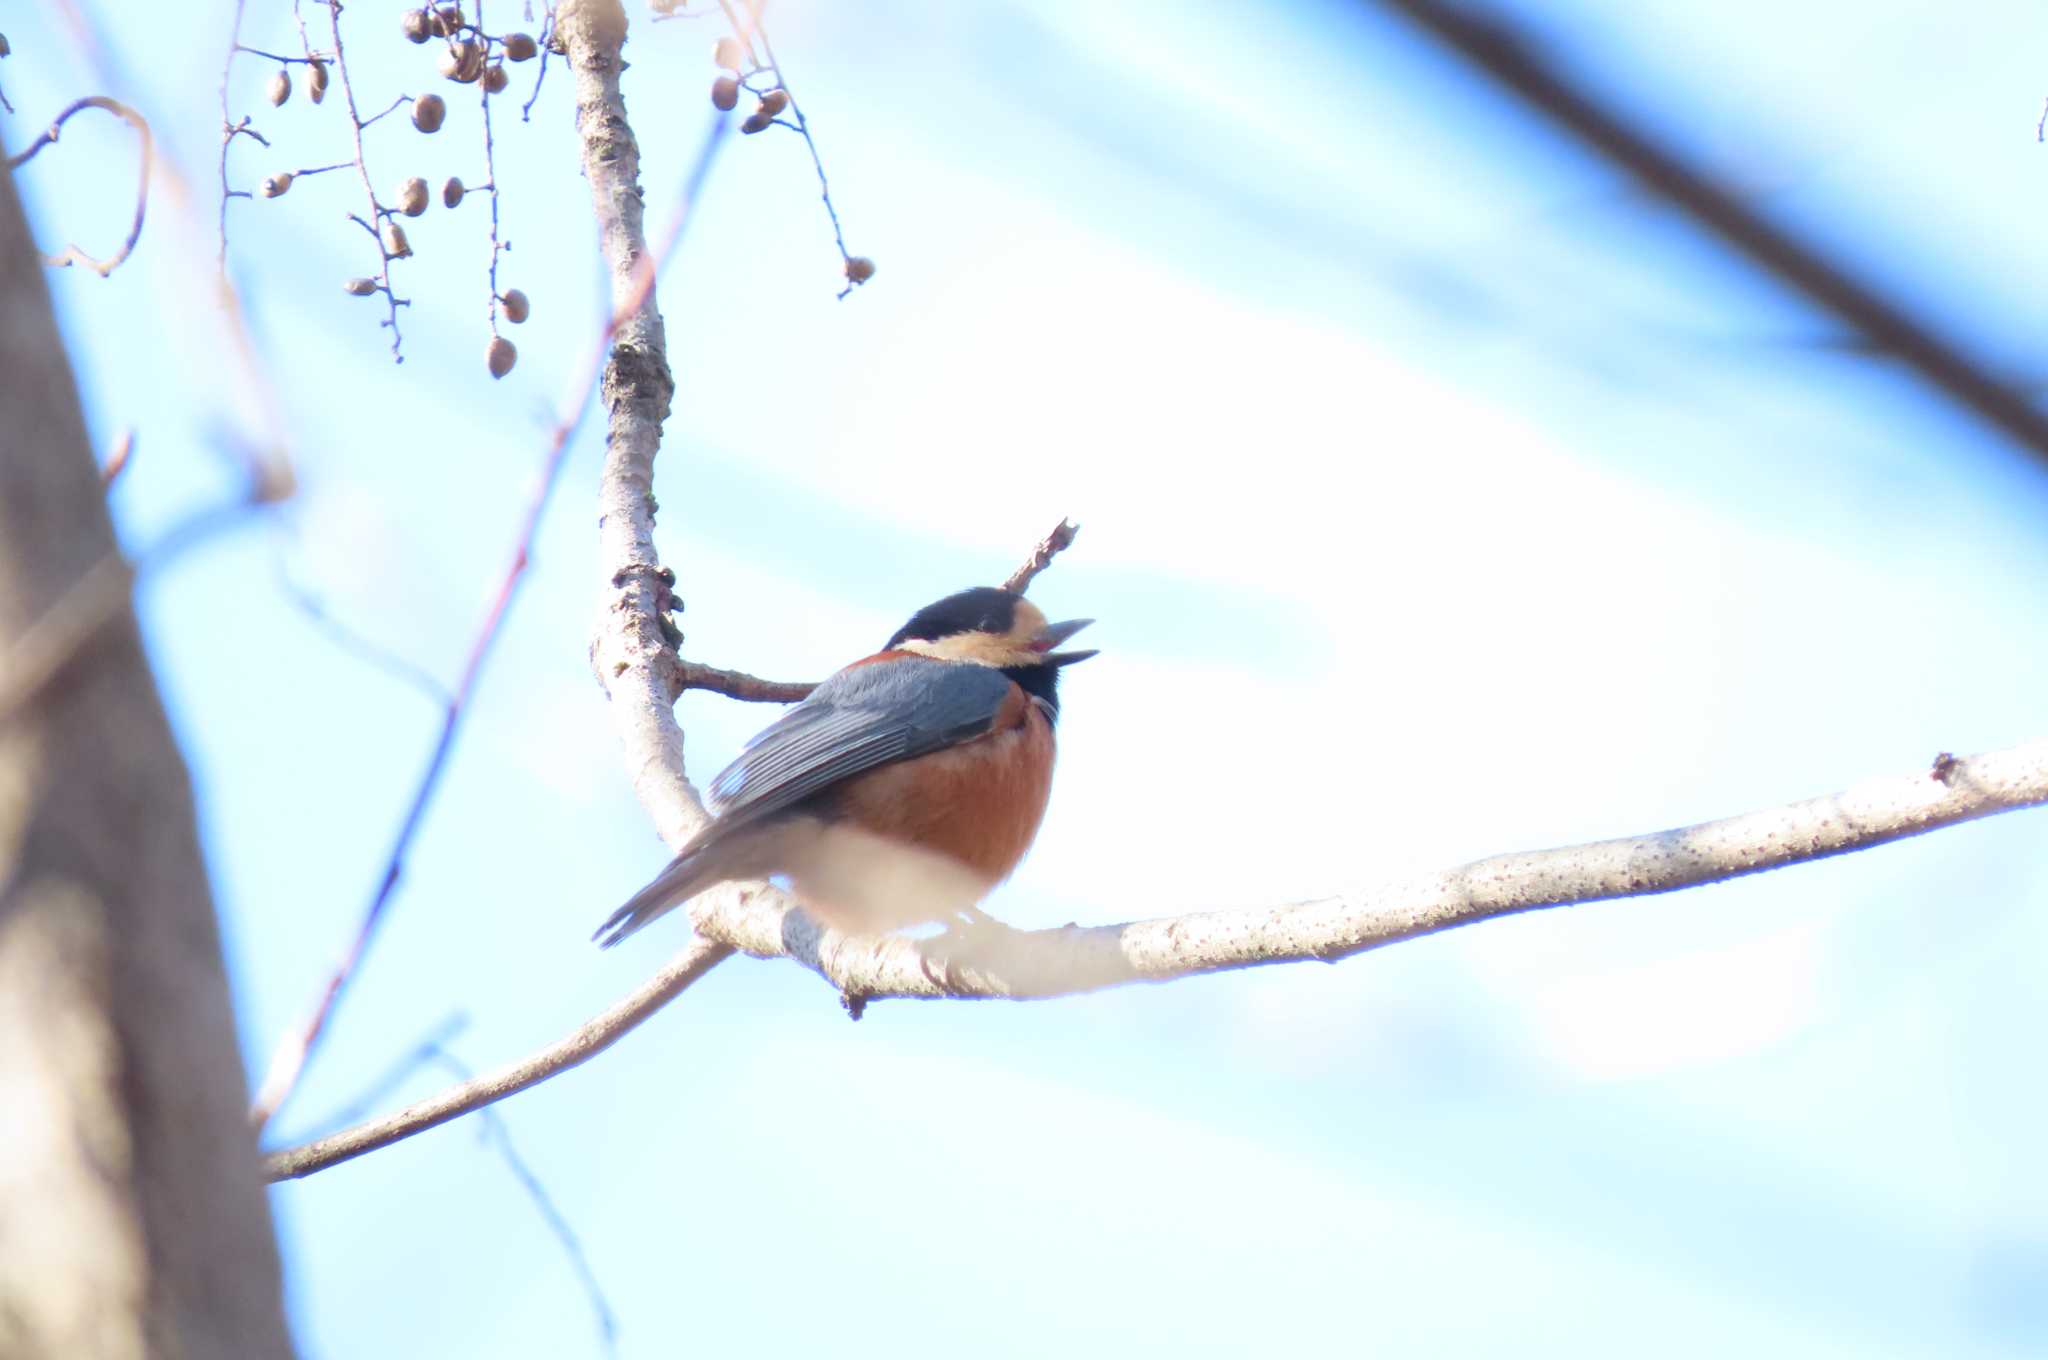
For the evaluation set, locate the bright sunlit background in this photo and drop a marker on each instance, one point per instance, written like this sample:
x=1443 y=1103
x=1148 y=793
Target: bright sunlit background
x=1443 y=495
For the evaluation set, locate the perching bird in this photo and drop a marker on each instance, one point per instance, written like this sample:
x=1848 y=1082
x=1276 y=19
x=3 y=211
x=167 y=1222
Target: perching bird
x=903 y=789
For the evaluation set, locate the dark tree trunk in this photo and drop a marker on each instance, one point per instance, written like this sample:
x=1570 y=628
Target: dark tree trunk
x=132 y=1216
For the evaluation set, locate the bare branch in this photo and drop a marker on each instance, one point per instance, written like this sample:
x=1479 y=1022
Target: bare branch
x=1502 y=53
x=496 y=1130
x=546 y=42
x=631 y=651
x=420 y=1056
x=745 y=19
x=42 y=649
x=292 y=1053
x=494 y=49
x=118 y=458
x=1005 y=963
x=589 y=1040
x=357 y=644
x=754 y=690
x=229 y=130
x=71 y=254
x=434 y=1051
x=739 y=685
x=998 y=962
x=1052 y=545
x=636 y=293
x=378 y=212
x=276 y=57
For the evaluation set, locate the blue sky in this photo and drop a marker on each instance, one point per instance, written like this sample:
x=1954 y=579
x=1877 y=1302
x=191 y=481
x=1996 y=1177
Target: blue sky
x=1442 y=496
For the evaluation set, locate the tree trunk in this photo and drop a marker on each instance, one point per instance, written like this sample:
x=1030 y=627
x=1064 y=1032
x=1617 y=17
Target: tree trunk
x=132 y=1217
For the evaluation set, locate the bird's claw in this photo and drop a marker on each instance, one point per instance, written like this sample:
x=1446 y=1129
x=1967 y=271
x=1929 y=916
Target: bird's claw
x=967 y=942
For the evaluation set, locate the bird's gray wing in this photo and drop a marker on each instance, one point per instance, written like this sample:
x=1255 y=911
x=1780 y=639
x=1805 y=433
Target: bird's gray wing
x=865 y=716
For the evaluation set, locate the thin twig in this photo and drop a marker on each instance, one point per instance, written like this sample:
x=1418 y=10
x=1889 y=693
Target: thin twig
x=547 y=48
x=490 y=171
x=754 y=690
x=228 y=132
x=49 y=643
x=272 y=56
x=1052 y=545
x=496 y=1130
x=586 y=1042
x=395 y=1076
x=377 y=211
x=363 y=648
x=117 y=458
x=803 y=128
x=739 y=685
x=746 y=29
x=289 y=1060
x=71 y=254
x=393 y=107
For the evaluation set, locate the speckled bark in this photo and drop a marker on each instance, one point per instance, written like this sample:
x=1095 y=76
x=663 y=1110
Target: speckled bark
x=631 y=645
x=132 y=1217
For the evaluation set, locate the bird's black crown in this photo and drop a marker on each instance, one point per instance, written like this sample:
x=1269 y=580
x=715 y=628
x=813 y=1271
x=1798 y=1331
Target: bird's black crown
x=979 y=609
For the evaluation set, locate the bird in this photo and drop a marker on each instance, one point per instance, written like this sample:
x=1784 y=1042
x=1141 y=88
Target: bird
x=903 y=789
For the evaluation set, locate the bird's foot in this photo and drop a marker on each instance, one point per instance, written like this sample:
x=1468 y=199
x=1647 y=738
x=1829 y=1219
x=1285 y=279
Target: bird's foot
x=967 y=942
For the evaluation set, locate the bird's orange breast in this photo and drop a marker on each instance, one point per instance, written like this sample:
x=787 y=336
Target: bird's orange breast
x=978 y=803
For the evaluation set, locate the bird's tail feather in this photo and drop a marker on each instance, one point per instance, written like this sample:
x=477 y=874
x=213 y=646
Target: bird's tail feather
x=698 y=867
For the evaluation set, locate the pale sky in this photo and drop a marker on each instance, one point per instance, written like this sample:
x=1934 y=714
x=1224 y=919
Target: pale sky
x=1441 y=497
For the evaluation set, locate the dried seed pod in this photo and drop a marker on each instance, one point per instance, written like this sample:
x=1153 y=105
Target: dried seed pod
x=774 y=102
x=5 y=50
x=501 y=356
x=556 y=45
x=755 y=122
x=280 y=88
x=395 y=244
x=450 y=19
x=517 y=308
x=859 y=269
x=412 y=197
x=463 y=62
x=417 y=25
x=429 y=111
x=316 y=80
x=725 y=92
x=275 y=186
x=495 y=79
x=451 y=192
x=520 y=47
x=359 y=287
x=728 y=53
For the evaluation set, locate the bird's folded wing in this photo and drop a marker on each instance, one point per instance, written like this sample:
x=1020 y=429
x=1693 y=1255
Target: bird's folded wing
x=866 y=715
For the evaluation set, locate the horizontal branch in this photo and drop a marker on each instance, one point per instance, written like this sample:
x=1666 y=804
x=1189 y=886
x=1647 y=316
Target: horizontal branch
x=756 y=919
x=590 y=1039
x=739 y=685
x=1005 y=963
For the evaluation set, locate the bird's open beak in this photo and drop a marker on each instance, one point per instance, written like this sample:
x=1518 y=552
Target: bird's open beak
x=1053 y=634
